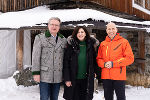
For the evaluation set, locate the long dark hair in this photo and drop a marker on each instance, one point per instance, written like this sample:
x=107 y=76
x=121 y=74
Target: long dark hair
x=75 y=32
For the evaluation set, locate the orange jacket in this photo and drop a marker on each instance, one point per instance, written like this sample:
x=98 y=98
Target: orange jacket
x=119 y=52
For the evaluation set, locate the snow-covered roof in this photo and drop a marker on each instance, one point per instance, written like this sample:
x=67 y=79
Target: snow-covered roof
x=41 y=14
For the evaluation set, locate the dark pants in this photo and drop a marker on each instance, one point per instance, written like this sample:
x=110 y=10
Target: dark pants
x=111 y=85
x=49 y=90
x=80 y=89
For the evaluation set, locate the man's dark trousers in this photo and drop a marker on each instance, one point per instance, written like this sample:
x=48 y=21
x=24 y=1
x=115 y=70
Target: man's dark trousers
x=114 y=85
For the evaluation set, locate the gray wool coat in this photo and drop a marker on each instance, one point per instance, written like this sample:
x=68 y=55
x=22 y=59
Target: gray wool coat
x=47 y=57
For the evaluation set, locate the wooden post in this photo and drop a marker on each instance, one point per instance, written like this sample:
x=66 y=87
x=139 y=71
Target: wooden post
x=5 y=5
x=37 y=3
x=141 y=46
x=30 y=4
x=1 y=5
x=19 y=49
x=14 y=5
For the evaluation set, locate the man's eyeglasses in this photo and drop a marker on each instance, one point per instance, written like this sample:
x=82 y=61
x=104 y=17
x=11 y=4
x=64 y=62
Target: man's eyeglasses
x=54 y=25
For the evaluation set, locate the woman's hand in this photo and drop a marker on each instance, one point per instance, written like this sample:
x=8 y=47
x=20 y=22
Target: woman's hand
x=36 y=78
x=68 y=83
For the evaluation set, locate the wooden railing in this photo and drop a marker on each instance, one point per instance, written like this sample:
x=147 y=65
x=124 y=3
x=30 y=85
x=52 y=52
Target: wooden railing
x=15 y=5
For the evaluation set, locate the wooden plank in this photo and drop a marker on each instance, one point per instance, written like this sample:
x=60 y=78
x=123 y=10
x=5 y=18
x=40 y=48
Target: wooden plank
x=14 y=5
x=130 y=7
x=126 y=6
x=107 y=3
x=19 y=48
x=37 y=2
x=25 y=4
x=19 y=5
x=1 y=5
x=110 y=3
x=113 y=5
x=5 y=5
x=122 y=6
x=141 y=47
x=9 y=5
x=29 y=4
x=117 y=6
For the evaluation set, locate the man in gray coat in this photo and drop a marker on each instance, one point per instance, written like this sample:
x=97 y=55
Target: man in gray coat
x=47 y=60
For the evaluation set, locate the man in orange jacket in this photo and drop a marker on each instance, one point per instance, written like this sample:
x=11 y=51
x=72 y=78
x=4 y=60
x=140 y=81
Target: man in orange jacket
x=114 y=54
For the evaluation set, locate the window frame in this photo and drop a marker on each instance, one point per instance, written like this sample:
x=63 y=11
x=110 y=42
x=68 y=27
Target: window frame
x=147 y=4
x=141 y=8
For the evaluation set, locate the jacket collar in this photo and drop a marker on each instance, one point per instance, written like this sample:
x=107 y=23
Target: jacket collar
x=94 y=40
x=117 y=37
x=48 y=34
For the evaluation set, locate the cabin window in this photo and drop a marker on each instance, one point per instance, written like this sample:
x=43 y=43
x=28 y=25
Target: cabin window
x=147 y=4
x=140 y=2
x=143 y=5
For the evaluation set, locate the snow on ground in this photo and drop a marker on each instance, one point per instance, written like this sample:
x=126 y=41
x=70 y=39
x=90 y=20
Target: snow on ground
x=10 y=91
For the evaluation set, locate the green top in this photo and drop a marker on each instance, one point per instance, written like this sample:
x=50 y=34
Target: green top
x=82 y=61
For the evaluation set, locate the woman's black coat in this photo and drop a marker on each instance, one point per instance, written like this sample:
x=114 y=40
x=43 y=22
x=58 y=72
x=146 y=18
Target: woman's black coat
x=70 y=67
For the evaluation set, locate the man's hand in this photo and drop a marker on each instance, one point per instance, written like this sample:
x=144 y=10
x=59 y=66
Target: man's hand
x=36 y=78
x=108 y=64
x=68 y=83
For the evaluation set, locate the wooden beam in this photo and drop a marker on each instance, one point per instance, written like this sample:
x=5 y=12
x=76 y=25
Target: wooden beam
x=5 y=5
x=1 y=6
x=19 y=49
x=141 y=46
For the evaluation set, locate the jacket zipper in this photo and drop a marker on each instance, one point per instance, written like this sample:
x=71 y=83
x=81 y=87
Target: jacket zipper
x=120 y=70
x=53 y=64
x=106 y=50
x=109 y=58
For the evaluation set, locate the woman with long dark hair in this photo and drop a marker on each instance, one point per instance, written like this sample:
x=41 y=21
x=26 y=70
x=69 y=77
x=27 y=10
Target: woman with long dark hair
x=79 y=65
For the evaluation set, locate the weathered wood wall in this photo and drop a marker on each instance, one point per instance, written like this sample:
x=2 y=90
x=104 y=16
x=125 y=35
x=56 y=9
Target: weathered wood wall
x=14 y=5
x=123 y=6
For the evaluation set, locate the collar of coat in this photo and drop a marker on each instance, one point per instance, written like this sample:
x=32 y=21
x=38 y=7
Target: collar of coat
x=117 y=37
x=48 y=34
x=92 y=39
